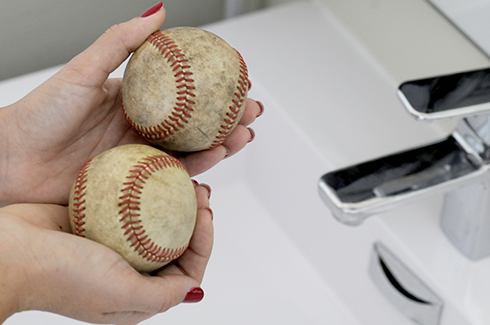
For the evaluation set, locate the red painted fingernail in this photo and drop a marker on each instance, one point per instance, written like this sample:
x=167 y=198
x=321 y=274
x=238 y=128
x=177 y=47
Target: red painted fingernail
x=196 y=183
x=154 y=9
x=208 y=188
x=262 y=108
x=194 y=295
x=252 y=134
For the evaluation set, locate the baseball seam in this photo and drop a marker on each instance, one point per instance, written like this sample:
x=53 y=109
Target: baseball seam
x=185 y=90
x=78 y=205
x=129 y=203
x=237 y=102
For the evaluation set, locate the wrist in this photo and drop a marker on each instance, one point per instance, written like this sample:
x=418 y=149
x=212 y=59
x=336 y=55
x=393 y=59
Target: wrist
x=7 y=301
x=4 y=154
x=4 y=314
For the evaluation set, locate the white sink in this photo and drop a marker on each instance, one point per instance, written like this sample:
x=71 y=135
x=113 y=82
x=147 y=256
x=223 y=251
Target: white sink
x=280 y=257
x=257 y=274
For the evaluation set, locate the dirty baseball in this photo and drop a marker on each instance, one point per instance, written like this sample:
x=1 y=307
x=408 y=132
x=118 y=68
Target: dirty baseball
x=138 y=201
x=185 y=89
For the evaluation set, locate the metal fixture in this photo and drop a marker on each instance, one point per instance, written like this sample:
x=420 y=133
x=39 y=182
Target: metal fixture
x=449 y=79
x=403 y=288
x=458 y=166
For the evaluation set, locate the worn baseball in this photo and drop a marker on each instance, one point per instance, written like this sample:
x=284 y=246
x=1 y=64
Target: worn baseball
x=185 y=89
x=138 y=201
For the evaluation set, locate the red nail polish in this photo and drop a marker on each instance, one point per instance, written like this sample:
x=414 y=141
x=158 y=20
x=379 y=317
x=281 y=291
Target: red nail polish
x=262 y=108
x=252 y=134
x=152 y=10
x=196 y=183
x=194 y=295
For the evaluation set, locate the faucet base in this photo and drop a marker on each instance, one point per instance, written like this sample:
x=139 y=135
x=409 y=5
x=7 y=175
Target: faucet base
x=463 y=218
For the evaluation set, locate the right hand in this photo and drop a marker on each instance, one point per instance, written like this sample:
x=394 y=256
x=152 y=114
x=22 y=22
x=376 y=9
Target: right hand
x=45 y=267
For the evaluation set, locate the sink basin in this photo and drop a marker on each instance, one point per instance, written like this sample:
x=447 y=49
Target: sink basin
x=280 y=257
x=257 y=274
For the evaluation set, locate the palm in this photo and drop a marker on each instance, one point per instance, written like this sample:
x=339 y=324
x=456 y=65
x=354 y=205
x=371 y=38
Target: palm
x=73 y=123
x=81 y=267
x=47 y=136
x=57 y=136
x=79 y=278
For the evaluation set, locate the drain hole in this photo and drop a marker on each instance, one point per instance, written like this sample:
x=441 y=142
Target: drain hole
x=398 y=286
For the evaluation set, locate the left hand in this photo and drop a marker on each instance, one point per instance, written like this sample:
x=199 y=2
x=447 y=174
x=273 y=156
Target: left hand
x=46 y=137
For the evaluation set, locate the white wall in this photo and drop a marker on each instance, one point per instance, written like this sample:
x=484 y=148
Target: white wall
x=40 y=34
x=277 y=2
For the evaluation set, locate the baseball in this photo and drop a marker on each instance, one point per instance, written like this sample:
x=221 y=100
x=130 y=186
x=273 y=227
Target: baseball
x=185 y=89
x=138 y=201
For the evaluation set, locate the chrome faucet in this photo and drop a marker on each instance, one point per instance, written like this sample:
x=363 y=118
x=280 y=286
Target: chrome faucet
x=458 y=166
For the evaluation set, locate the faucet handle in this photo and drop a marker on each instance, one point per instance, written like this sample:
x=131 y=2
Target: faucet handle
x=449 y=96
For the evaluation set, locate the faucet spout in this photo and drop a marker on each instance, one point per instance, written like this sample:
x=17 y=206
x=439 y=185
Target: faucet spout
x=458 y=166
x=357 y=192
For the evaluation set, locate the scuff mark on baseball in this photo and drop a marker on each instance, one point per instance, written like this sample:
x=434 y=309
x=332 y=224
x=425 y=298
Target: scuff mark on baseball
x=185 y=89
x=138 y=201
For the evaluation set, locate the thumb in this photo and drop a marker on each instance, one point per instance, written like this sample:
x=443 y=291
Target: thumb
x=157 y=294
x=111 y=49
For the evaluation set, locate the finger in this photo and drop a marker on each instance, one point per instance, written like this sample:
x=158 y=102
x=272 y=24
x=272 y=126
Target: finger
x=174 y=283
x=195 y=259
x=113 y=48
x=238 y=139
x=253 y=109
x=201 y=245
x=47 y=216
x=199 y=162
x=160 y=293
x=139 y=297
x=113 y=87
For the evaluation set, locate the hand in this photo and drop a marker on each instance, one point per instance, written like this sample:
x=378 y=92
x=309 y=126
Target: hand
x=46 y=137
x=44 y=267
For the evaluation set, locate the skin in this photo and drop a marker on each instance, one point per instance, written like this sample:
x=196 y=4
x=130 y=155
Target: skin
x=58 y=272
x=45 y=138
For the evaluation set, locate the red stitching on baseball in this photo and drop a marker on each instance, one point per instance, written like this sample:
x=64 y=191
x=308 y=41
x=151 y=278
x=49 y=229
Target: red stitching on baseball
x=78 y=205
x=237 y=102
x=174 y=56
x=129 y=203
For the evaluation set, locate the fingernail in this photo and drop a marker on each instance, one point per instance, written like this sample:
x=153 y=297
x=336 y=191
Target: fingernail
x=252 y=135
x=227 y=152
x=210 y=211
x=196 y=183
x=154 y=9
x=194 y=295
x=208 y=188
x=262 y=108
